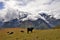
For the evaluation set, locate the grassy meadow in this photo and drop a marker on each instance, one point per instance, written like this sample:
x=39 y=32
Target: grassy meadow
x=50 y=34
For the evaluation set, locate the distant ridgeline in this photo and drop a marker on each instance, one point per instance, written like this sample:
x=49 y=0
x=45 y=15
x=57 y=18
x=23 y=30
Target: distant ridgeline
x=37 y=24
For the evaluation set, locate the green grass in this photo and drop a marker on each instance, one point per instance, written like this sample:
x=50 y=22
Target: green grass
x=51 y=34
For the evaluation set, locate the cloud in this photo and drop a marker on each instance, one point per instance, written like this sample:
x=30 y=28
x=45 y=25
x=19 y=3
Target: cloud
x=23 y=2
x=32 y=7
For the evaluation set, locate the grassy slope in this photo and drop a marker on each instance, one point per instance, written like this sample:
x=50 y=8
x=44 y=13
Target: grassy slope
x=51 y=34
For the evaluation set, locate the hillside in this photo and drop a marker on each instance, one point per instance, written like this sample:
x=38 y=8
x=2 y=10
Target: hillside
x=56 y=27
x=51 y=34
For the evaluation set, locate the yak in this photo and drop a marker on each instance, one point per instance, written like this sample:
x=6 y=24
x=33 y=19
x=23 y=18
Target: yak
x=22 y=31
x=30 y=29
x=10 y=33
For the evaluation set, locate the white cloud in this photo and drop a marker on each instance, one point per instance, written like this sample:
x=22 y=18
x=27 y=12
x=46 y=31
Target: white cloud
x=32 y=6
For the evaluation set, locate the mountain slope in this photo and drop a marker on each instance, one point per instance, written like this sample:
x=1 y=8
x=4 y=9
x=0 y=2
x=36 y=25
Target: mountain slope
x=11 y=23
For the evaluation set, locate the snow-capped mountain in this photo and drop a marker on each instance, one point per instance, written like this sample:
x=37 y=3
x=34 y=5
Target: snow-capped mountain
x=11 y=23
x=38 y=24
x=51 y=20
x=47 y=11
x=42 y=21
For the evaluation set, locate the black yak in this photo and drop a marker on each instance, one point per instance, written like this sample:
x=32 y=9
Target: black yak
x=10 y=33
x=22 y=31
x=30 y=29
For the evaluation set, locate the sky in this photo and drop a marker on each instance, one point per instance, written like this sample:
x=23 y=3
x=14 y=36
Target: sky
x=51 y=7
x=1 y=5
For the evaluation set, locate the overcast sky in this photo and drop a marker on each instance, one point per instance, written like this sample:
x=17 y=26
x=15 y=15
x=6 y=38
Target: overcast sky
x=32 y=6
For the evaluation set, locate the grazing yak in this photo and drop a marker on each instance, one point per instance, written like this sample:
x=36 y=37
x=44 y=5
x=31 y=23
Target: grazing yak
x=30 y=29
x=10 y=33
x=22 y=31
